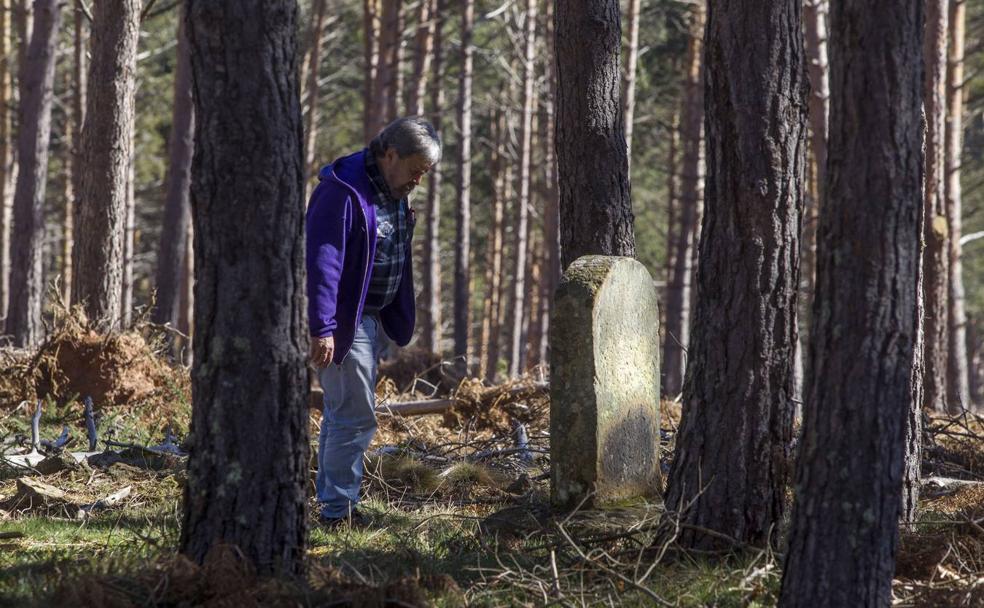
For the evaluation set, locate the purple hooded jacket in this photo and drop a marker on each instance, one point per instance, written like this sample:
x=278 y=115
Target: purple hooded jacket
x=341 y=244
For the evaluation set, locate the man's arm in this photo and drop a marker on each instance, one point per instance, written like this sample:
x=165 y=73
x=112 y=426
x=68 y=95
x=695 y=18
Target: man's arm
x=329 y=220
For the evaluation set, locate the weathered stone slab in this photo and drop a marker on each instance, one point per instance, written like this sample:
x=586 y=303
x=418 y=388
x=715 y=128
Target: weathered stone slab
x=604 y=383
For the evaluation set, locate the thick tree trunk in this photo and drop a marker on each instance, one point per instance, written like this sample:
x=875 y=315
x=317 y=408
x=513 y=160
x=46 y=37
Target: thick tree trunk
x=731 y=464
x=862 y=389
x=631 y=66
x=248 y=467
x=370 y=35
x=517 y=348
x=462 y=241
x=107 y=140
x=426 y=19
x=691 y=192
x=936 y=257
x=126 y=287
x=34 y=132
x=312 y=90
x=6 y=157
x=595 y=214
x=177 y=204
x=430 y=298
x=958 y=380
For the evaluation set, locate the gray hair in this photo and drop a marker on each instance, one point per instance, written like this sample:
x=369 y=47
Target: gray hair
x=409 y=136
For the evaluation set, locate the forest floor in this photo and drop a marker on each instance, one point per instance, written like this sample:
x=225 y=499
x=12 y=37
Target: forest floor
x=458 y=508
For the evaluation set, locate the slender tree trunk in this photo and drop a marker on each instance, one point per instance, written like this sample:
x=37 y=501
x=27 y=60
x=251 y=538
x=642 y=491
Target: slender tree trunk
x=370 y=34
x=430 y=300
x=862 y=389
x=691 y=178
x=936 y=258
x=34 y=132
x=126 y=287
x=596 y=214
x=186 y=314
x=248 y=466
x=815 y=20
x=177 y=204
x=516 y=354
x=958 y=379
x=426 y=19
x=313 y=91
x=382 y=102
x=551 y=211
x=975 y=358
x=493 y=278
x=731 y=464
x=107 y=139
x=6 y=158
x=68 y=204
x=631 y=66
x=462 y=243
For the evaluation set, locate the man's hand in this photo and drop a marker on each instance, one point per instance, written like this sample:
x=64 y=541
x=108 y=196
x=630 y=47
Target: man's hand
x=322 y=350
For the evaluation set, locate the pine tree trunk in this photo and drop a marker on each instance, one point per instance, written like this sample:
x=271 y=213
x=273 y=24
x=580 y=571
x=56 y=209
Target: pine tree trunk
x=672 y=190
x=430 y=300
x=186 y=307
x=691 y=187
x=730 y=468
x=493 y=279
x=107 y=139
x=312 y=90
x=862 y=389
x=34 y=119
x=417 y=90
x=936 y=257
x=595 y=214
x=631 y=66
x=248 y=467
x=815 y=20
x=516 y=350
x=383 y=104
x=6 y=158
x=177 y=203
x=462 y=242
x=126 y=285
x=551 y=211
x=370 y=34
x=958 y=379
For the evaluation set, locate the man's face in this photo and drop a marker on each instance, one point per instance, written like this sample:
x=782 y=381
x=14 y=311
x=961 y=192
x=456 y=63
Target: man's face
x=402 y=175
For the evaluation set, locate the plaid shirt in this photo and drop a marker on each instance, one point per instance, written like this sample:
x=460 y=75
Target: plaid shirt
x=392 y=234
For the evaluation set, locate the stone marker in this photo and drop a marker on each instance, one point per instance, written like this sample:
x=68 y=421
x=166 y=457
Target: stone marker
x=604 y=383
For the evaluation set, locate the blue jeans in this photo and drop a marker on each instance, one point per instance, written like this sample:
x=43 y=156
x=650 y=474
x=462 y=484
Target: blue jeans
x=348 y=423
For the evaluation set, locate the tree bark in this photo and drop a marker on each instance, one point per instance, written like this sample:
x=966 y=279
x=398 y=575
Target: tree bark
x=958 y=379
x=80 y=66
x=107 y=141
x=462 y=243
x=517 y=347
x=248 y=466
x=6 y=158
x=863 y=386
x=595 y=195
x=691 y=193
x=313 y=91
x=129 y=227
x=936 y=258
x=177 y=204
x=631 y=66
x=430 y=300
x=383 y=101
x=34 y=132
x=730 y=468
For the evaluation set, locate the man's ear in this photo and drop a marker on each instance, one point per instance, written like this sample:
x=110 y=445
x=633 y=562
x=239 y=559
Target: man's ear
x=391 y=155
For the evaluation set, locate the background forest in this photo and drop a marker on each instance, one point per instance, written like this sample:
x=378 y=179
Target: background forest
x=334 y=86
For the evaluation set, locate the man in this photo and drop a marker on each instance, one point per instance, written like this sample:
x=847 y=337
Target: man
x=360 y=283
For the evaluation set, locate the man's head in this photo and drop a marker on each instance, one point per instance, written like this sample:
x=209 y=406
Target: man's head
x=406 y=149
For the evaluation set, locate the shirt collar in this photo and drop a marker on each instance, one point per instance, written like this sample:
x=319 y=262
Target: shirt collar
x=376 y=176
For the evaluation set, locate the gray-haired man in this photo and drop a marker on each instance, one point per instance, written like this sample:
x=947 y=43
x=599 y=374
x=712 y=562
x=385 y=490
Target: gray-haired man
x=360 y=281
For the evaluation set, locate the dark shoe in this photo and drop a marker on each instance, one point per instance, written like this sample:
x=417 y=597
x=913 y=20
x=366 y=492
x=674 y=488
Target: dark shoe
x=353 y=520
